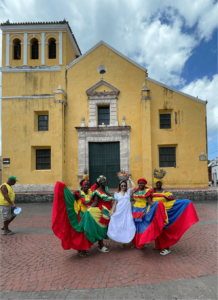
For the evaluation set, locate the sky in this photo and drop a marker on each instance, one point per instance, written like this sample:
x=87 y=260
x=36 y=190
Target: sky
x=175 y=40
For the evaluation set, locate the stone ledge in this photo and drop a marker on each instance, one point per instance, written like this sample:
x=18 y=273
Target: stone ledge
x=34 y=198
x=28 y=188
x=104 y=128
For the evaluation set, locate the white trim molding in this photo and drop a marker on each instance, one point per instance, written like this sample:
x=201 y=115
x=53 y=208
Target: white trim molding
x=25 y=49
x=102 y=98
x=60 y=101
x=42 y=27
x=99 y=83
x=177 y=91
x=50 y=33
x=28 y=97
x=43 y=49
x=60 y=92
x=60 y=49
x=30 y=69
x=111 y=48
x=34 y=36
x=103 y=135
x=16 y=35
x=7 y=49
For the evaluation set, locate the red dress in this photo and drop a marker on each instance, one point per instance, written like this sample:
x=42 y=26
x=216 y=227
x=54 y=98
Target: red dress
x=65 y=224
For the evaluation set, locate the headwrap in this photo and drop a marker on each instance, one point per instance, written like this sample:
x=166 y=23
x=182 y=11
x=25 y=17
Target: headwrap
x=84 y=181
x=142 y=180
x=158 y=179
x=101 y=177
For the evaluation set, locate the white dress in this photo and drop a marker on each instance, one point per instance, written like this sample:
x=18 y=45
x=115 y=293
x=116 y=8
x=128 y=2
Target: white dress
x=122 y=227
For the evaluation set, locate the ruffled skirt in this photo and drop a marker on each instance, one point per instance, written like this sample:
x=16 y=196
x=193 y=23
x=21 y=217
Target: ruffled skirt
x=149 y=226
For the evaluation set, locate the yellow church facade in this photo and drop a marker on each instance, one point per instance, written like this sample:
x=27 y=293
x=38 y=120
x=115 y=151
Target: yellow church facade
x=64 y=112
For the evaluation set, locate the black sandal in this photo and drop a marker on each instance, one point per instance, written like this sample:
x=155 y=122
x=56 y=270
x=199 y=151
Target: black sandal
x=82 y=253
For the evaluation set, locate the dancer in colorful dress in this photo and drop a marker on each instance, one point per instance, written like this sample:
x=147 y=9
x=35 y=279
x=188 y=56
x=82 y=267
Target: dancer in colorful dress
x=181 y=214
x=149 y=218
x=96 y=219
x=67 y=213
x=122 y=227
x=83 y=196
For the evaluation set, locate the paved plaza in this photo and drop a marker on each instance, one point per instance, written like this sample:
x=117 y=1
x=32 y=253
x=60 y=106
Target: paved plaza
x=34 y=265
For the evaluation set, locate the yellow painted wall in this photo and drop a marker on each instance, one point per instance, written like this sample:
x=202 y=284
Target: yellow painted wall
x=32 y=83
x=188 y=133
x=20 y=135
x=20 y=139
x=121 y=74
x=129 y=80
x=70 y=52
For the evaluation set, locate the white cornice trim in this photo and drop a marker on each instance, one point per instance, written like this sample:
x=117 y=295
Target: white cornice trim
x=30 y=69
x=28 y=97
x=60 y=101
x=43 y=27
x=99 y=83
x=108 y=46
x=39 y=27
x=177 y=91
x=60 y=92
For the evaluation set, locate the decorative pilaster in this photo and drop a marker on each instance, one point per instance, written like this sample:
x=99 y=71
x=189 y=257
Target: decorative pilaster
x=7 y=49
x=25 y=49
x=60 y=49
x=43 y=49
x=146 y=135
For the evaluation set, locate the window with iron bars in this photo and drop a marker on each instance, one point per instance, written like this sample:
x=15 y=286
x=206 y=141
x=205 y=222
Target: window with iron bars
x=167 y=157
x=43 y=159
x=165 y=121
x=43 y=123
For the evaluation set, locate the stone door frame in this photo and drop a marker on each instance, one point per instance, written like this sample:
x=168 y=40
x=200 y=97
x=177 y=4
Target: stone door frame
x=103 y=135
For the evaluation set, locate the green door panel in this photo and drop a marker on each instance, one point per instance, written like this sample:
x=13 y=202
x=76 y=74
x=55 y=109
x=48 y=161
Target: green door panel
x=104 y=159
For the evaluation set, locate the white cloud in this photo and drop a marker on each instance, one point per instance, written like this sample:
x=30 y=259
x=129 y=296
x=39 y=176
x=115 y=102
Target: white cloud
x=153 y=33
x=206 y=89
x=133 y=27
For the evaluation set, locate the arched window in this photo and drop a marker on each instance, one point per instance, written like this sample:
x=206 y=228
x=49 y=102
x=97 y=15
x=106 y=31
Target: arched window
x=34 y=49
x=52 y=48
x=17 y=49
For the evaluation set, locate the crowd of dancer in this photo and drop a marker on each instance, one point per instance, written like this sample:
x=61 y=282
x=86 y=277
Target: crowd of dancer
x=92 y=215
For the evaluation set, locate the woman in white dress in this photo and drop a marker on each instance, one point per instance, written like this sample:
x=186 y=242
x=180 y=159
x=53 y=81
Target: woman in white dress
x=122 y=227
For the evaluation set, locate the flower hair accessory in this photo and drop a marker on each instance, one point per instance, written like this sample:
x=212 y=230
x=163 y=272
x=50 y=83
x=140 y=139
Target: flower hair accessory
x=101 y=177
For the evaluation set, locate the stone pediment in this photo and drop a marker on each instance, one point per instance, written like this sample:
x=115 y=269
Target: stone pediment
x=98 y=89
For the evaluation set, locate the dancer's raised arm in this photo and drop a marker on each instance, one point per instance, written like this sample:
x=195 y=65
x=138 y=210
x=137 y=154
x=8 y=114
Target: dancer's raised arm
x=133 y=188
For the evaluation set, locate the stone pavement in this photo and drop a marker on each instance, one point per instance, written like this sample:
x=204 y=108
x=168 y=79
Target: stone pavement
x=34 y=265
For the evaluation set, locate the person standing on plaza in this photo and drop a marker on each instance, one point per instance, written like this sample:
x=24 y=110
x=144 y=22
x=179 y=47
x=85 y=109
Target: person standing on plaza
x=67 y=213
x=181 y=214
x=121 y=227
x=150 y=218
x=96 y=218
x=7 y=206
